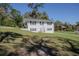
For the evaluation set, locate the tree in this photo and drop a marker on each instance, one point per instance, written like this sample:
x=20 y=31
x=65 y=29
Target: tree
x=34 y=9
x=69 y=27
x=6 y=7
x=34 y=13
x=16 y=15
x=4 y=11
x=58 y=25
x=39 y=15
x=9 y=16
x=8 y=21
x=44 y=16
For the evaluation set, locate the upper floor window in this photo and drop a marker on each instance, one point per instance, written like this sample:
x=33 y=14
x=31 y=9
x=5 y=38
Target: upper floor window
x=41 y=23
x=32 y=29
x=32 y=22
x=49 y=23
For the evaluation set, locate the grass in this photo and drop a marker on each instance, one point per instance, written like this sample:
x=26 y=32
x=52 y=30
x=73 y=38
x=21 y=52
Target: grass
x=59 y=44
x=68 y=35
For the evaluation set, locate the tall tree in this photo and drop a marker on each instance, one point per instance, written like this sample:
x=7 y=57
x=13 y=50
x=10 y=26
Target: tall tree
x=16 y=15
x=8 y=21
x=34 y=9
x=34 y=13
x=6 y=6
x=4 y=11
x=44 y=16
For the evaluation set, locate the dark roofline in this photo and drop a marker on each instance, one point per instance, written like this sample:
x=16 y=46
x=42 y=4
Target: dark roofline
x=43 y=20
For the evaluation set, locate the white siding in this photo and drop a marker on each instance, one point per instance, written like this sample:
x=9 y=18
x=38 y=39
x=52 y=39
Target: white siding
x=41 y=28
x=49 y=26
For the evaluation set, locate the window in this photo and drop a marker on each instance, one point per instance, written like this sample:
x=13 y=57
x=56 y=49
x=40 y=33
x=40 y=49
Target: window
x=32 y=22
x=32 y=29
x=49 y=23
x=41 y=23
x=49 y=29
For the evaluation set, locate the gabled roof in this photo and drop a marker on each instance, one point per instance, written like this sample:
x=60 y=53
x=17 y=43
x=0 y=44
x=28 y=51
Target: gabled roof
x=37 y=20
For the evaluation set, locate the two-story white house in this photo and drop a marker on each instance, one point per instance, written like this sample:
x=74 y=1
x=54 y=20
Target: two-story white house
x=39 y=25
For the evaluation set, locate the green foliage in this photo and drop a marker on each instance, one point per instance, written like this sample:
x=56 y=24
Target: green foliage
x=6 y=7
x=57 y=40
x=35 y=13
x=9 y=16
x=38 y=15
x=60 y=26
x=17 y=17
x=8 y=22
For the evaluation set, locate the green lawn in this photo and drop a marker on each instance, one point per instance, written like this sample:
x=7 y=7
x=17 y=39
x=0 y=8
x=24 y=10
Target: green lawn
x=68 y=35
x=58 y=39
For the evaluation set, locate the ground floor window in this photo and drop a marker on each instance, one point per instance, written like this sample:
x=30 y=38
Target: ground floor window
x=32 y=29
x=49 y=29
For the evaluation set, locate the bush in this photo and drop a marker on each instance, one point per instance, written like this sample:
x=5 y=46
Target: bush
x=8 y=22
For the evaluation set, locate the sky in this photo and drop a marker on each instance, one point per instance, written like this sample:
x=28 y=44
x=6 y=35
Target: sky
x=57 y=11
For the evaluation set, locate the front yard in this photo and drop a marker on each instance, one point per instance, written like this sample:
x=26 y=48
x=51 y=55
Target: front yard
x=69 y=35
x=58 y=39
